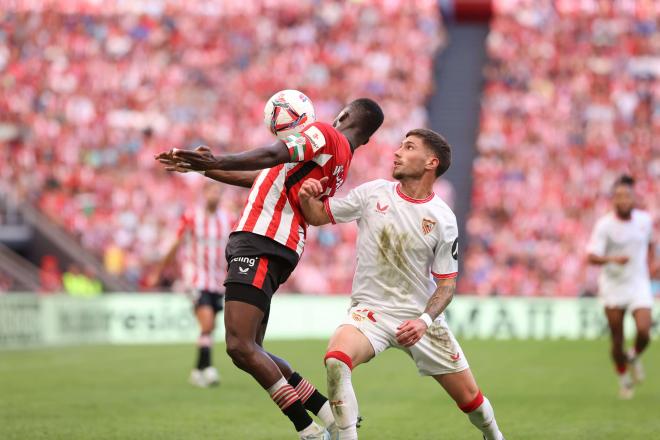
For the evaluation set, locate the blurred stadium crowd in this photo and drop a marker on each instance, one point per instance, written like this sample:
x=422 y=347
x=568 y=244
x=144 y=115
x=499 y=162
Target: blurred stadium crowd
x=88 y=99
x=571 y=100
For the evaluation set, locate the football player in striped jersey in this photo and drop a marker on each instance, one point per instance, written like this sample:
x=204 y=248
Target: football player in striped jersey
x=268 y=241
x=203 y=233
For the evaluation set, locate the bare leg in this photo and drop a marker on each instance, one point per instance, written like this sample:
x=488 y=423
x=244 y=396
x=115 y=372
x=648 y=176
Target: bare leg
x=242 y=324
x=643 y=324
x=615 y=322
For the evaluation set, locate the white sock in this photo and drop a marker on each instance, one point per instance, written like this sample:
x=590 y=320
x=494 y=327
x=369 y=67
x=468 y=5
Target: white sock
x=342 y=397
x=484 y=419
x=325 y=414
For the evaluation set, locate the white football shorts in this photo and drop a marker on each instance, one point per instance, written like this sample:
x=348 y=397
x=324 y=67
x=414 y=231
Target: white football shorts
x=642 y=300
x=436 y=353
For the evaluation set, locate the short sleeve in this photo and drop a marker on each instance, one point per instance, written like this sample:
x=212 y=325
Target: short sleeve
x=445 y=254
x=305 y=145
x=351 y=207
x=345 y=209
x=598 y=241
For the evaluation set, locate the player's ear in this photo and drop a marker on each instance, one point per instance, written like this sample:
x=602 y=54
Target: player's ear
x=340 y=118
x=432 y=163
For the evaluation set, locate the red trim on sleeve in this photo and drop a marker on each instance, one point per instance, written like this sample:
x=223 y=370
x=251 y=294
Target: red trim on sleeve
x=474 y=404
x=444 y=276
x=260 y=276
x=340 y=356
x=326 y=205
x=410 y=199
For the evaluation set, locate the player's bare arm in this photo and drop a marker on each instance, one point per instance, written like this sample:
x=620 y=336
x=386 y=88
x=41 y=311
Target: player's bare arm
x=154 y=277
x=257 y=159
x=312 y=207
x=243 y=179
x=412 y=330
x=654 y=264
x=599 y=261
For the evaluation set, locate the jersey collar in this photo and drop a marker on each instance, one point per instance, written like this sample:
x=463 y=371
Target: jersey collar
x=410 y=199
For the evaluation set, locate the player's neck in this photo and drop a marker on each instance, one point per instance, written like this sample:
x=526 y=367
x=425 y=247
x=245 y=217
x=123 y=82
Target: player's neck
x=623 y=216
x=418 y=189
x=353 y=137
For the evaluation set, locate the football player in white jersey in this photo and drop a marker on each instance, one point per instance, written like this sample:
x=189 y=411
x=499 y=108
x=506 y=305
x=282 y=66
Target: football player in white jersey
x=407 y=262
x=621 y=243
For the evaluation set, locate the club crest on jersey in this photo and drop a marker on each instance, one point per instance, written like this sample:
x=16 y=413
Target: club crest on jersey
x=316 y=138
x=381 y=208
x=427 y=225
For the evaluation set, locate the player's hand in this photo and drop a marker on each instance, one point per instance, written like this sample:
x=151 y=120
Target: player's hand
x=621 y=259
x=199 y=159
x=410 y=332
x=311 y=188
x=172 y=163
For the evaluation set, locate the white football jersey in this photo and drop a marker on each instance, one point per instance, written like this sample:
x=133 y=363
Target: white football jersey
x=402 y=245
x=615 y=237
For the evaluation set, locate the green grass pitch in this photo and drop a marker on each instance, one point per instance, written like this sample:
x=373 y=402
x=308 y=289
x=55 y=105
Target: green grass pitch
x=540 y=390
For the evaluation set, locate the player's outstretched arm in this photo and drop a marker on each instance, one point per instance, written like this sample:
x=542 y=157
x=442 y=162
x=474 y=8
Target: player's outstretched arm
x=312 y=208
x=237 y=178
x=412 y=330
x=257 y=159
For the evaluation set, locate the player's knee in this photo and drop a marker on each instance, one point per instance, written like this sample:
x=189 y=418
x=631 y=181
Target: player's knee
x=240 y=350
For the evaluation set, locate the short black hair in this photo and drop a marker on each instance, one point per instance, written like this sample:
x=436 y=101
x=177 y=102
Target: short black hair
x=625 y=179
x=369 y=114
x=437 y=144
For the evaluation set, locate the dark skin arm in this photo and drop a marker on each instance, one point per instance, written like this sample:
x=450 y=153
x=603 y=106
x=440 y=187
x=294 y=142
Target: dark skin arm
x=412 y=330
x=201 y=159
x=654 y=266
x=237 y=178
x=155 y=276
x=599 y=261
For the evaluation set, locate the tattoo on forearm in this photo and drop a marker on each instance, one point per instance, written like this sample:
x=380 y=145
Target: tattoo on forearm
x=440 y=299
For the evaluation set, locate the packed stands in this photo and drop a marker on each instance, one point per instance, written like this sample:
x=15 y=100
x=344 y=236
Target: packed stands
x=571 y=101
x=87 y=97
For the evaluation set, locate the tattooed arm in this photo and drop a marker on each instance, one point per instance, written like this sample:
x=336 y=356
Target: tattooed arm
x=411 y=331
x=441 y=298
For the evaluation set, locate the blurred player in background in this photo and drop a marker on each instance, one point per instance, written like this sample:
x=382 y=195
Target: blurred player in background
x=621 y=243
x=203 y=232
x=406 y=272
x=266 y=245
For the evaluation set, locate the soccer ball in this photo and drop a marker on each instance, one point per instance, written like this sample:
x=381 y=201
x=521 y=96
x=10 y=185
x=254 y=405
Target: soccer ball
x=287 y=112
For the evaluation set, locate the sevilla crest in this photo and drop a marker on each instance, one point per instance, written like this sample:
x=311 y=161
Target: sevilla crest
x=427 y=225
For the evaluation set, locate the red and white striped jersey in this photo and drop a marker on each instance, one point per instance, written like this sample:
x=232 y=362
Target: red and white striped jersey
x=273 y=208
x=205 y=234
